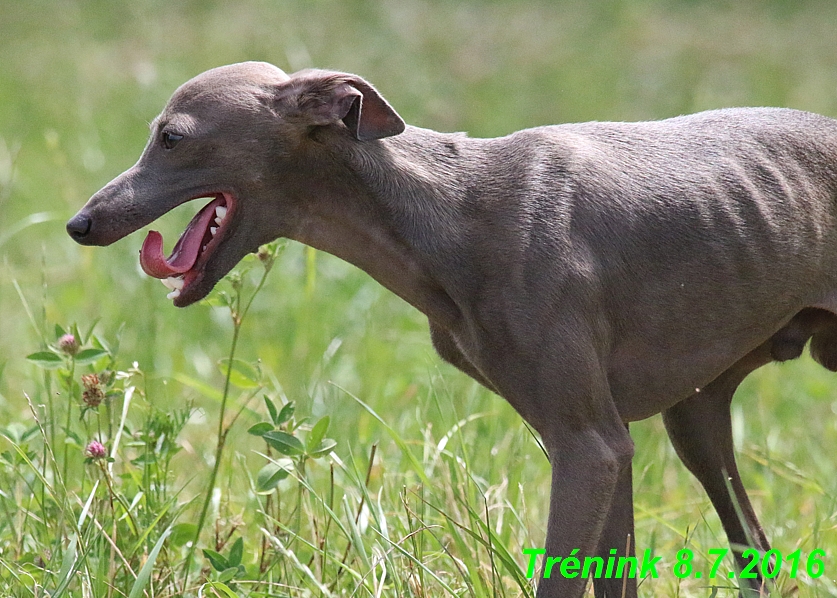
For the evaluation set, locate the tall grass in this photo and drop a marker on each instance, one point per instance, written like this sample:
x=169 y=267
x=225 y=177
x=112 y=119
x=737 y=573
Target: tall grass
x=433 y=486
x=105 y=517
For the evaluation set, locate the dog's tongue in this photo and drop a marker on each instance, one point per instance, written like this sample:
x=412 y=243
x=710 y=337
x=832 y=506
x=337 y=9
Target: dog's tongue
x=185 y=252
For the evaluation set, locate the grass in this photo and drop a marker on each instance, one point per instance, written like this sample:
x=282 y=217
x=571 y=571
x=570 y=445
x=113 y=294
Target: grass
x=433 y=486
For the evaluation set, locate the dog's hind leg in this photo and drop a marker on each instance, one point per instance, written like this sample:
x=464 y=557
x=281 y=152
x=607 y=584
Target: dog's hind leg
x=700 y=427
x=701 y=432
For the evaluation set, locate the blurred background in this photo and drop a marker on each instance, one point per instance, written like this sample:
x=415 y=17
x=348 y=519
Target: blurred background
x=81 y=80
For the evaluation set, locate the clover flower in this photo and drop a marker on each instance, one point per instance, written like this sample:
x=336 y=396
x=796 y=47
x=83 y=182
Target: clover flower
x=93 y=394
x=96 y=450
x=68 y=344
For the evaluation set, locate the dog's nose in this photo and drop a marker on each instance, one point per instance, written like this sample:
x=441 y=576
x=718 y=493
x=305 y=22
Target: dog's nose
x=79 y=226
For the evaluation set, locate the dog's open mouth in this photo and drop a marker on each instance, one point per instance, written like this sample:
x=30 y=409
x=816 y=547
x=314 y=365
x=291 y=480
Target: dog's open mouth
x=192 y=250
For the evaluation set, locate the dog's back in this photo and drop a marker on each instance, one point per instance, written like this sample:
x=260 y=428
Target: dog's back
x=644 y=222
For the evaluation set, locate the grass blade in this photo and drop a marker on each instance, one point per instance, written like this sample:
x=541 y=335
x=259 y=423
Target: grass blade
x=68 y=567
x=86 y=508
x=145 y=573
x=417 y=467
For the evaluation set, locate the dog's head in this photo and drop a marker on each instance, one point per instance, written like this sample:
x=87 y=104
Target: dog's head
x=246 y=136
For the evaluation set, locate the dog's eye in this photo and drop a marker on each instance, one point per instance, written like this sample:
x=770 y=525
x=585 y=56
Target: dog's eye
x=170 y=139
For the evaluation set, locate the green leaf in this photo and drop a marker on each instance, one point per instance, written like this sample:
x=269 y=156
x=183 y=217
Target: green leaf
x=14 y=432
x=228 y=575
x=242 y=374
x=89 y=332
x=317 y=433
x=216 y=559
x=285 y=414
x=260 y=429
x=59 y=332
x=45 y=359
x=218 y=585
x=31 y=432
x=72 y=438
x=284 y=443
x=89 y=356
x=323 y=448
x=68 y=567
x=147 y=458
x=236 y=552
x=183 y=533
x=145 y=573
x=269 y=477
x=271 y=408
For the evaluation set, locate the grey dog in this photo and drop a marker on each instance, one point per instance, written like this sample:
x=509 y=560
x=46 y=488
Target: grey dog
x=591 y=274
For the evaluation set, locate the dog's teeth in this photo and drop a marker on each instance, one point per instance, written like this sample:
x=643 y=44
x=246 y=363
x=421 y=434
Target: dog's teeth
x=213 y=230
x=172 y=283
x=174 y=294
x=221 y=212
x=218 y=221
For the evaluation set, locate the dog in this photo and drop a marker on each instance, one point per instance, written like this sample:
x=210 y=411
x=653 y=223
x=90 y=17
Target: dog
x=591 y=274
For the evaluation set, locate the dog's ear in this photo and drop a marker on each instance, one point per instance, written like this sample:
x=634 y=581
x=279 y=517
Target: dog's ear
x=324 y=98
x=370 y=116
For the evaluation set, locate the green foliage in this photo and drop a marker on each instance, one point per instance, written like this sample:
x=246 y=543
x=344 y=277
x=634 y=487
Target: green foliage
x=227 y=567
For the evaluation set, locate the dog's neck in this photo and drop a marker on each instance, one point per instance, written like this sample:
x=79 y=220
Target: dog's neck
x=378 y=225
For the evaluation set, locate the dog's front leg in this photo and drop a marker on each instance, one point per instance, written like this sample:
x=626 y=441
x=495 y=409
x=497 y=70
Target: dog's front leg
x=563 y=392
x=446 y=347
x=618 y=540
x=586 y=466
x=619 y=521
